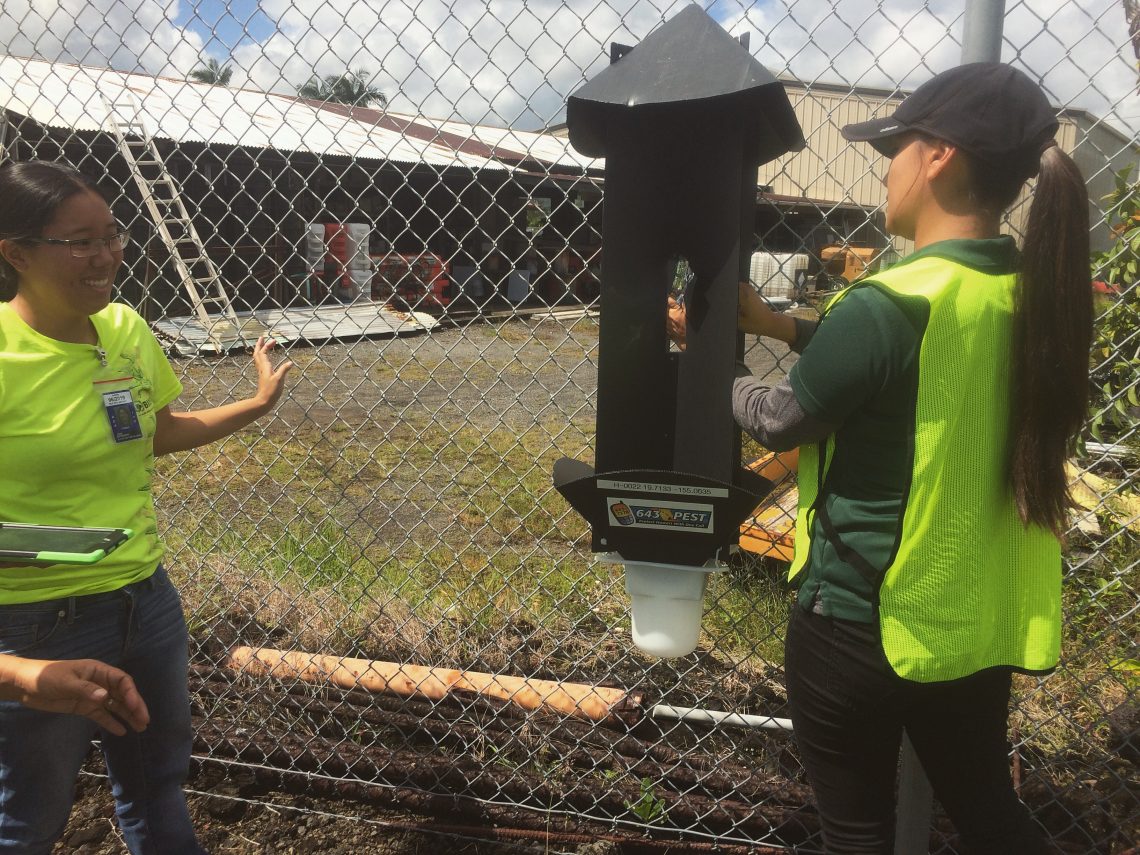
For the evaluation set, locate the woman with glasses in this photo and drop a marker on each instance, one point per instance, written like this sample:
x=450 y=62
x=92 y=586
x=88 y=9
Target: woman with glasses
x=85 y=405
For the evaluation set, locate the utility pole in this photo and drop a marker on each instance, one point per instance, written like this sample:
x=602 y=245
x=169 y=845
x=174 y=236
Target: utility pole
x=981 y=42
x=981 y=33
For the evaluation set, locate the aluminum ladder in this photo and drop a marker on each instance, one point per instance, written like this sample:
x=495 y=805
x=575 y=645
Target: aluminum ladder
x=161 y=195
x=3 y=136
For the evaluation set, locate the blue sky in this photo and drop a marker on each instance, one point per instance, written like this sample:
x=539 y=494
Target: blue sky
x=224 y=24
x=512 y=62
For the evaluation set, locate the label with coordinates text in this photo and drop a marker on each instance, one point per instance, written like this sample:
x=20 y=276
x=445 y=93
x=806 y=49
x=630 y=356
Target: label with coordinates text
x=695 y=491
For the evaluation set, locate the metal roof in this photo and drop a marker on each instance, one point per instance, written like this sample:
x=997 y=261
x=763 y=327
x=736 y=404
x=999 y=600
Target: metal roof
x=63 y=95
x=544 y=147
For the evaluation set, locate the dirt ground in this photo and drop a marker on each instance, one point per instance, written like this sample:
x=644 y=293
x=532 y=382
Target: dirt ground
x=234 y=813
x=237 y=816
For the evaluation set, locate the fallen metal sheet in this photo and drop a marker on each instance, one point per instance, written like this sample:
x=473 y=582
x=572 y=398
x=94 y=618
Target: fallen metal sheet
x=187 y=336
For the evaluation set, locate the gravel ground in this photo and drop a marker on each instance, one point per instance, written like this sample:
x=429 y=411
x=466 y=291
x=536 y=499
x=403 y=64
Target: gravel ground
x=502 y=373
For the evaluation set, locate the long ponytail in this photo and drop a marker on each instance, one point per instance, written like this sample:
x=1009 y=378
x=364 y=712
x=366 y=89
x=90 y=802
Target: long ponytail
x=1052 y=334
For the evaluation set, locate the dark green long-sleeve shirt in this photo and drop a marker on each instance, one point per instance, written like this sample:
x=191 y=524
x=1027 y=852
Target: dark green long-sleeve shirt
x=857 y=379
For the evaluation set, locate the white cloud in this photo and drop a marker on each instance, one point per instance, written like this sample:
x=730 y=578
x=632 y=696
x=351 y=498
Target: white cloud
x=130 y=35
x=499 y=62
x=510 y=61
x=1080 y=51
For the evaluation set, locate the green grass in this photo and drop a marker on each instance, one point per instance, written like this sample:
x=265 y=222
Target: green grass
x=483 y=542
x=442 y=522
x=746 y=610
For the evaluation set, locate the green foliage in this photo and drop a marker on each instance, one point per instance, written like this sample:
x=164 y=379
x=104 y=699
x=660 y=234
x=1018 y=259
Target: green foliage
x=352 y=88
x=212 y=72
x=1128 y=672
x=1101 y=586
x=649 y=808
x=1116 y=344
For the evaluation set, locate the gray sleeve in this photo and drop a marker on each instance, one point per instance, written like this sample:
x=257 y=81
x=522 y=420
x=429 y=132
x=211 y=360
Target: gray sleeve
x=773 y=416
x=805 y=329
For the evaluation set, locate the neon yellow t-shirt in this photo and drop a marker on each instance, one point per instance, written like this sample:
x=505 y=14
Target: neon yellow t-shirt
x=62 y=462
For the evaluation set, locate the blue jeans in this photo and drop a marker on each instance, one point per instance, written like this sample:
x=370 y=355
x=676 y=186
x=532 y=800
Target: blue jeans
x=141 y=629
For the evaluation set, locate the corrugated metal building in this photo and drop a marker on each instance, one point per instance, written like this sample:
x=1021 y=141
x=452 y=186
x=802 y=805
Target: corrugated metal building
x=829 y=168
x=254 y=168
x=840 y=174
x=834 y=184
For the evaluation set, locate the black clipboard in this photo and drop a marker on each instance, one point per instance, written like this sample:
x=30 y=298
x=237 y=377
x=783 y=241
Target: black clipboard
x=53 y=544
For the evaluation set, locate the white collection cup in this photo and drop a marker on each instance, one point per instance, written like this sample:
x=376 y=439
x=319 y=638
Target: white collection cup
x=666 y=605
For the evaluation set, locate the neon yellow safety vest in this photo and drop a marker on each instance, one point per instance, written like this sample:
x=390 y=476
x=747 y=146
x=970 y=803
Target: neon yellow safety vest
x=968 y=585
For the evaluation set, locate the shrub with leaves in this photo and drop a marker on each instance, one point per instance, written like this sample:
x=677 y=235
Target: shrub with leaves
x=1116 y=346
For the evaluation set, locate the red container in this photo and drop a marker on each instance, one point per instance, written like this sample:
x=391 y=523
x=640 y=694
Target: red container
x=421 y=282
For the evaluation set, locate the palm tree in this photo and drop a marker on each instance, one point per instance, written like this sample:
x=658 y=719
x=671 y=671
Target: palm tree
x=213 y=72
x=351 y=88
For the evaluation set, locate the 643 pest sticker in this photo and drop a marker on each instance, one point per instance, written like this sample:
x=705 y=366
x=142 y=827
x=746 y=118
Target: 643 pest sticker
x=673 y=516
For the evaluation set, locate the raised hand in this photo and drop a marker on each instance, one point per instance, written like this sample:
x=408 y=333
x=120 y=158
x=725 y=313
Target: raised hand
x=270 y=379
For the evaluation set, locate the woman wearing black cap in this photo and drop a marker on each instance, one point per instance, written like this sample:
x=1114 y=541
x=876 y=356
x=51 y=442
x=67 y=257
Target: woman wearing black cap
x=934 y=406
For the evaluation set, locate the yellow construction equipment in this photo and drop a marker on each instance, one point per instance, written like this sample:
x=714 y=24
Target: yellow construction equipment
x=842 y=265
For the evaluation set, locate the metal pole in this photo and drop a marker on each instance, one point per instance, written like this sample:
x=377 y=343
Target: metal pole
x=3 y=135
x=981 y=42
x=765 y=722
x=981 y=33
x=916 y=798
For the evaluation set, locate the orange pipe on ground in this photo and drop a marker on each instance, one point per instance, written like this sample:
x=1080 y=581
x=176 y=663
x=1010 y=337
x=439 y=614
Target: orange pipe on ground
x=595 y=703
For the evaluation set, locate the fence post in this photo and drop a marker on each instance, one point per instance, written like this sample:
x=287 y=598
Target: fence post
x=982 y=30
x=981 y=42
x=916 y=797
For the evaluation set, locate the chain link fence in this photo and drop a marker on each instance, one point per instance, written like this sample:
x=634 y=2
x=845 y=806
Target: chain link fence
x=388 y=190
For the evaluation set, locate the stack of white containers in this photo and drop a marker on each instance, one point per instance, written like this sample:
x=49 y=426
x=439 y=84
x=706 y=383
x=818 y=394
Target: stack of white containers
x=321 y=249
x=358 y=263
x=776 y=274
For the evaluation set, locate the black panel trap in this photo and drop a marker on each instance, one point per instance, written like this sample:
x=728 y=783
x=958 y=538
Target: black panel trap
x=684 y=120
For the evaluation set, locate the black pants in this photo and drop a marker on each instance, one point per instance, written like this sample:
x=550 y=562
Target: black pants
x=849 y=710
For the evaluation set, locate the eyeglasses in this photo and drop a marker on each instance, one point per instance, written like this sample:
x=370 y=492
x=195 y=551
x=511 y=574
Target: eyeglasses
x=88 y=247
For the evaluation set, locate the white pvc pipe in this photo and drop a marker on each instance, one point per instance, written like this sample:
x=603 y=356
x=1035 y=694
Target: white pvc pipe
x=692 y=714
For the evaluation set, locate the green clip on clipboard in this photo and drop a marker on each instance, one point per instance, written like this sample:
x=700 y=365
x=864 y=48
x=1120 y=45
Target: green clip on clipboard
x=50 y=544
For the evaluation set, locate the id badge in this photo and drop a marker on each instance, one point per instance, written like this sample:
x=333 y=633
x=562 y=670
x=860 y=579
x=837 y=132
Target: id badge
x=122 y=415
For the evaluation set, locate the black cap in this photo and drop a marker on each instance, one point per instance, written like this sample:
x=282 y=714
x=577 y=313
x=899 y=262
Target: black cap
x=989 y=109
